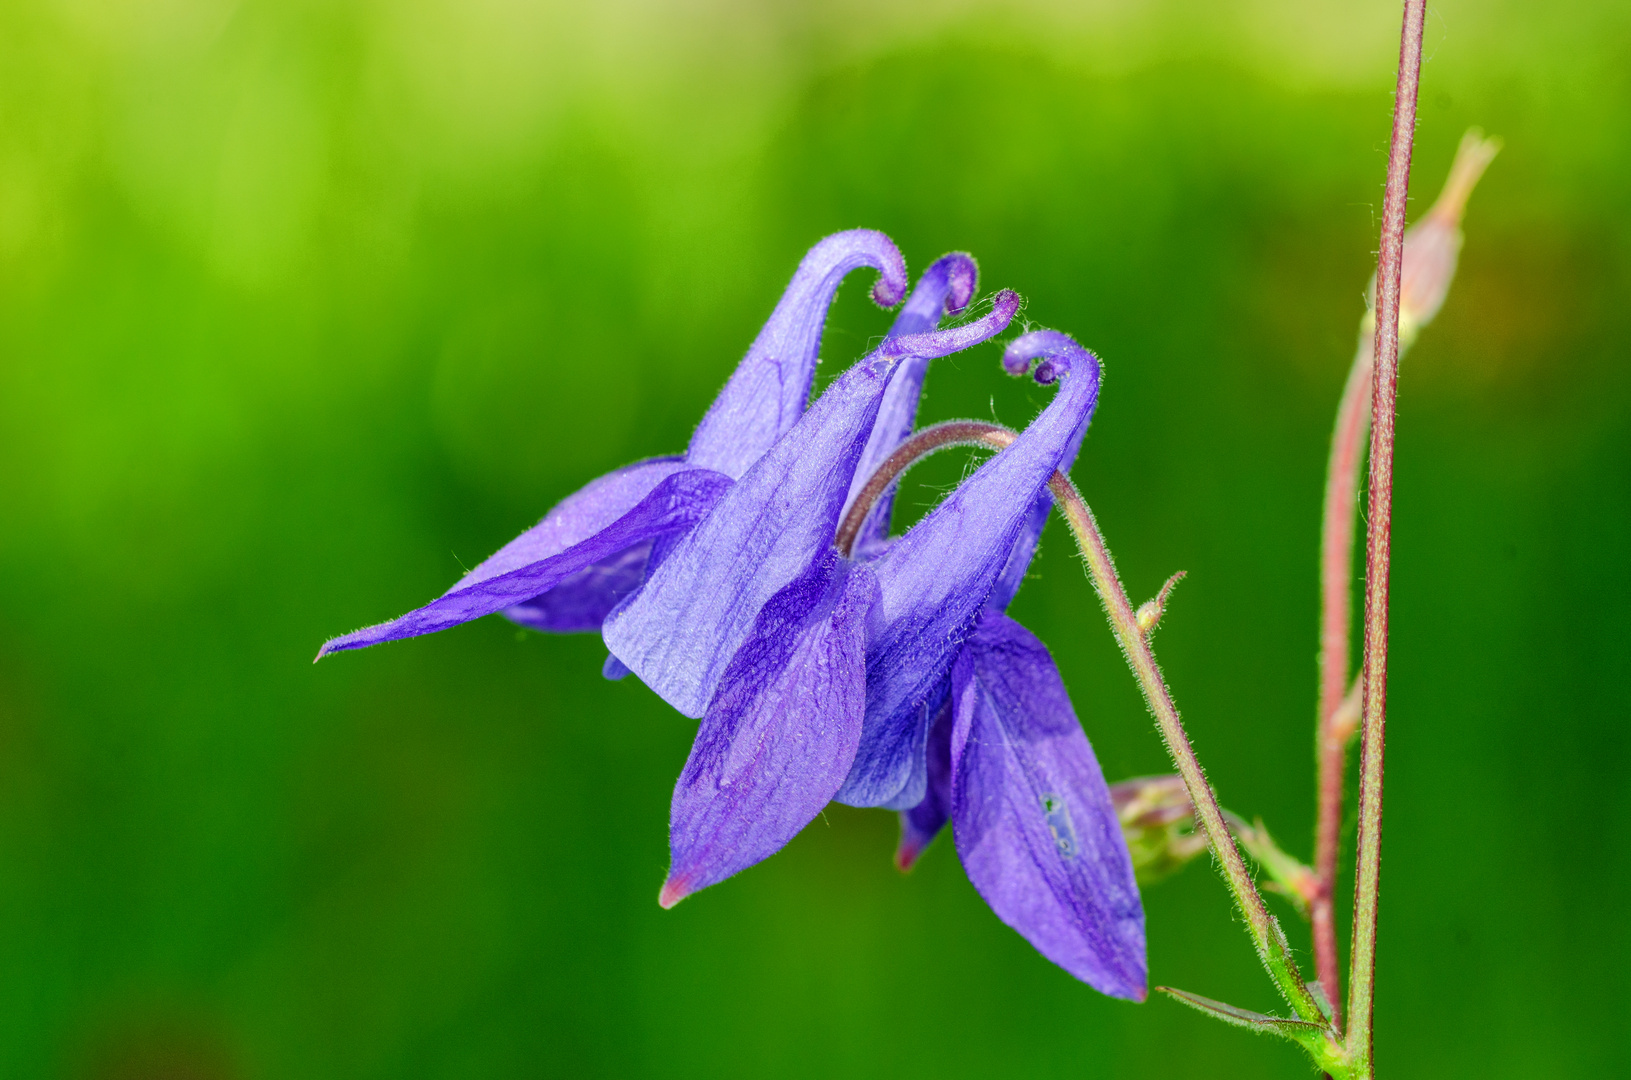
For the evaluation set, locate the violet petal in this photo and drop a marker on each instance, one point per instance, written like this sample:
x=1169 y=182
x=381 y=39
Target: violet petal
x=580 y=603
x=778 y=737
x=1033 y=819
x=673 y=505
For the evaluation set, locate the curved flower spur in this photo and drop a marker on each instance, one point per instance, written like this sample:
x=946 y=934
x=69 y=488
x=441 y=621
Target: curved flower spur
x=596 y=546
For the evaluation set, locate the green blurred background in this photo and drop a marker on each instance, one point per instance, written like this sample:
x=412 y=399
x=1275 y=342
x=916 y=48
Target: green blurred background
x=304 y=304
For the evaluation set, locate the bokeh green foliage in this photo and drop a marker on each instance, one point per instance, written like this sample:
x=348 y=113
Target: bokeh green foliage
x=303 y=306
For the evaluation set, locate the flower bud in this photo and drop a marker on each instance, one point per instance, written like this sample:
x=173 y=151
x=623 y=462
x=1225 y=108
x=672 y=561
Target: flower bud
x=1149 y=613
x=1433 y=244
x=1158 y=822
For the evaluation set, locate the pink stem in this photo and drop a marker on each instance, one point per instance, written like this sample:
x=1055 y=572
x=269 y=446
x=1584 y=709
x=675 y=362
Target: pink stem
x=1336 y=589
x=1390 y=259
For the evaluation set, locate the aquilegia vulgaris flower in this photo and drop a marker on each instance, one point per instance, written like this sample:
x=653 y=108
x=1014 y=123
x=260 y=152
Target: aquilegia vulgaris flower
x=752 y=583
x=819 y=675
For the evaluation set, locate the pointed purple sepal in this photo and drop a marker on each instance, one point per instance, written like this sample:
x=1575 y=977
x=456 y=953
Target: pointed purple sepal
x=1033 y=820
x=770 y=388
x=552 y=553
x=681 y=629
x=580 y=603
x=778 y=738
x=578 y=517
x=937 y=578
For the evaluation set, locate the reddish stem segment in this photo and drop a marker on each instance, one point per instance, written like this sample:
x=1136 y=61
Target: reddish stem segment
x=1425 y=274
x=925 y=442
x=1390 y=260
x=1336 y=590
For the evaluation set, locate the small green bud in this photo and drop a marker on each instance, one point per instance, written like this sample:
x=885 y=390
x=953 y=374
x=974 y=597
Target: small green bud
x=1149 y=613
x=1158 y=821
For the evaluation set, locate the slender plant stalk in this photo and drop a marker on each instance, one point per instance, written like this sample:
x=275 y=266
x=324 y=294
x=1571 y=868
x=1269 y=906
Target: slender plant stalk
x=1134 y=639
x=1135 y=643
x=1422 y=289
x=1390 y=261
x=1336 y=715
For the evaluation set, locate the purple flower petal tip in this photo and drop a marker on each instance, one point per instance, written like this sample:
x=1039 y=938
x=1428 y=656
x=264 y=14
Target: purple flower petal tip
x=886 y=293
x=1058 y=352
x=906 y=856
x=854 y=248
x=1006 y=304
x=674 y=890
x=890 y=288
x=962 y=276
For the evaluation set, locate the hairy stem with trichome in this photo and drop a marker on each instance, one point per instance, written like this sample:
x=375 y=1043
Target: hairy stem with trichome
x=1390 y=262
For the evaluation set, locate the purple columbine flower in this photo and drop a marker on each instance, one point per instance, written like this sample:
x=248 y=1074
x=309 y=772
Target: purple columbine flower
x=818 y=675
x=596 y=546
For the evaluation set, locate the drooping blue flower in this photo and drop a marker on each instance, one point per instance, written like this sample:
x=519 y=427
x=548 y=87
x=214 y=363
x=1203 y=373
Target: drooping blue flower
x=818 y=675
x=596 y=546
